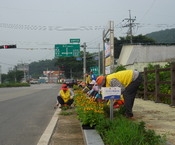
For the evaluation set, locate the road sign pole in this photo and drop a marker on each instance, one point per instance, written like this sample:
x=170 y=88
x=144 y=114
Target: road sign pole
x=111 y=93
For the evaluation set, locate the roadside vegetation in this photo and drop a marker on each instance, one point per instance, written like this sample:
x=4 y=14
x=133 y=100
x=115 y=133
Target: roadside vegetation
x=120 y=130
x=14 y=85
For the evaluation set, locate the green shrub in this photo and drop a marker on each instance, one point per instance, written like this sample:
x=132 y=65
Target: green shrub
x=14 y=85
x=122 y=131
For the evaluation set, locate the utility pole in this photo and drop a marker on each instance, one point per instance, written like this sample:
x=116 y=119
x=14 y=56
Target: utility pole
x=111 y=27
x=103 y=54
x=108 y=59
x=130 y=25
x=99 y=60
x=84 y=59
x=0 y=75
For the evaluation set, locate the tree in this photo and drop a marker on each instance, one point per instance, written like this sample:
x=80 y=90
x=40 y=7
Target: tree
x=36 y=68
x=12 y=76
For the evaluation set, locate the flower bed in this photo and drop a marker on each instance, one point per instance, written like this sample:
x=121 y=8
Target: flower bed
x=89 y=111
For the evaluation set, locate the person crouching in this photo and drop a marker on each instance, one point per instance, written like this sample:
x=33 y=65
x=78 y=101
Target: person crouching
x=65 y=96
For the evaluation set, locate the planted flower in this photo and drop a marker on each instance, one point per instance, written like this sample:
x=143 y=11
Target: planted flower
x=88 y=110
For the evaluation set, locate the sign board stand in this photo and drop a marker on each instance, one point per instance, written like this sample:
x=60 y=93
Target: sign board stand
x=111 y=93
x=111 y=109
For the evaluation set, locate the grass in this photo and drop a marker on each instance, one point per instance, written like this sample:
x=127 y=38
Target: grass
x=65 y=113
x=123 y=131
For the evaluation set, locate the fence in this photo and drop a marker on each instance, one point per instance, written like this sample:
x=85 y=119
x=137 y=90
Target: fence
x=157 y=82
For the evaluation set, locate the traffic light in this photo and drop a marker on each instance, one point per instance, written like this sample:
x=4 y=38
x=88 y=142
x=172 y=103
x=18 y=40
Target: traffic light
x=7 y=46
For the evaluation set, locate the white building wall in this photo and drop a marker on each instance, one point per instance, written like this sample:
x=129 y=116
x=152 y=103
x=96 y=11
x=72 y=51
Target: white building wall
x=139 y=56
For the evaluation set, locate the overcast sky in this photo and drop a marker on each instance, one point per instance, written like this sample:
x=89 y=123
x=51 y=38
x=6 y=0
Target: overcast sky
x=40 y=24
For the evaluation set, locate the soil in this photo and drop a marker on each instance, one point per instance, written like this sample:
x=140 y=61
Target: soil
x=157 y=116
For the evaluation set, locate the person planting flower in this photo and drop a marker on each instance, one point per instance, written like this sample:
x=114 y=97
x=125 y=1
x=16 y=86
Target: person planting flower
x=128 y=81
x=65 y=96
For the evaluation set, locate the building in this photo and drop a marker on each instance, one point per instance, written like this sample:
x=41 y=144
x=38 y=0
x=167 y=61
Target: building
x=54 y=76
x=139 y=56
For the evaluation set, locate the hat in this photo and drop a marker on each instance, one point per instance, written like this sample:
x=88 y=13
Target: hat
x=64 y=87
x=99 y=80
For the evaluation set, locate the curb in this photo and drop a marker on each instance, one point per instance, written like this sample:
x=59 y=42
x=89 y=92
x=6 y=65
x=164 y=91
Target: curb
x=46 y=136
x=91 y=137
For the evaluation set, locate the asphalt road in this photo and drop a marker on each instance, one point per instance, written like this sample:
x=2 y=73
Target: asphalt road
x=25 y=113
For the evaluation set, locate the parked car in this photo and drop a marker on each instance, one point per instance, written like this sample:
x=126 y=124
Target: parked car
x=70 y=82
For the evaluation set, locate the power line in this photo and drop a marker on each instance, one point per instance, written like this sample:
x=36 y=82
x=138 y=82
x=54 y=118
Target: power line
x=50 y=28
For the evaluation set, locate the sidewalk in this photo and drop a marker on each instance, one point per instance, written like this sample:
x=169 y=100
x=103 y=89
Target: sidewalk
x=157 y=116
x=68 y=130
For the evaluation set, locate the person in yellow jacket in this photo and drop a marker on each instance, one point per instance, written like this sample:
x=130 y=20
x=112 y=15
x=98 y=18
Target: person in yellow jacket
x=88 y=80
x=128 y=81
x=65 y=96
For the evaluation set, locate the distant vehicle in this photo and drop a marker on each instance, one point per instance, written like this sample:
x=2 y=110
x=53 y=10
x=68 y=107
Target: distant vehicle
x=70 y=82
x=34 y=82
x=42 y=80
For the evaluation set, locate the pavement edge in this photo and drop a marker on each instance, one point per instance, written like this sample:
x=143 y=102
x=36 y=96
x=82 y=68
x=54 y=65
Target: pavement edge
x=46 y=136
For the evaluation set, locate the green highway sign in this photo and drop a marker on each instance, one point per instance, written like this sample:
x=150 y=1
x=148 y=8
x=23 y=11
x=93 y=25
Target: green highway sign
x=74 y=40
x=95 y=70
x=67 y=50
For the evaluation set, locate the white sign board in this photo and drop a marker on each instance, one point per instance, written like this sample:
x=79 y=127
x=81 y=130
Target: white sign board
x=111 y=92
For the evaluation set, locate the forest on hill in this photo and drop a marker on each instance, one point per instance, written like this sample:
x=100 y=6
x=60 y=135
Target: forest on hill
x=163 y=36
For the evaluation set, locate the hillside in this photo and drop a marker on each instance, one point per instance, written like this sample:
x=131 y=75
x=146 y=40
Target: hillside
x=163 y=36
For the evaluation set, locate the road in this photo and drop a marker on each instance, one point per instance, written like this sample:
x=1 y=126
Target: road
x=25 y=113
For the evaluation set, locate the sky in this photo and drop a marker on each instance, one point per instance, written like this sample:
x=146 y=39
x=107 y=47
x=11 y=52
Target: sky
x=35 y=26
